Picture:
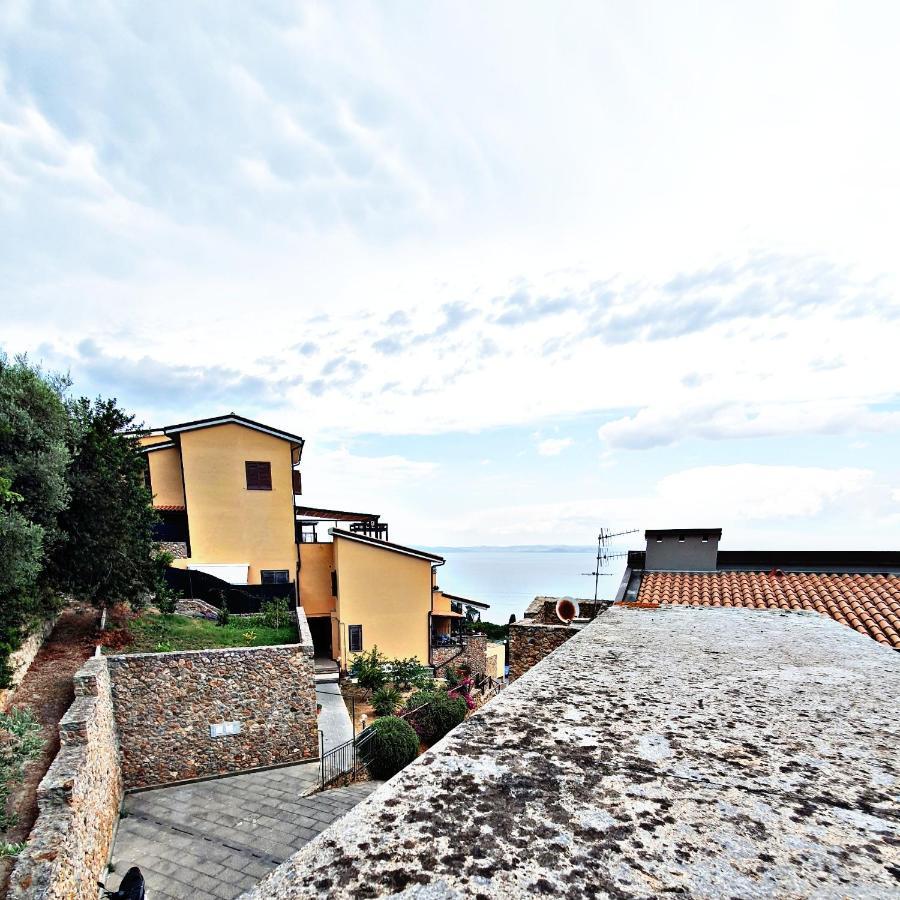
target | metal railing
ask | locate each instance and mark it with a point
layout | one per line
(346, 760)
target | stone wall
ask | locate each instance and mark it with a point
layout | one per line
(542, 610)
(472, 652)
(530, 643)
(178, 549)
(20, 660)
(165, 704)
(78, 800)
(197, 609)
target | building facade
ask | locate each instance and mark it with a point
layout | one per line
(227, 492)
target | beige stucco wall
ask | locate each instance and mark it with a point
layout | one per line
(496, 656)
(228, 523)
(316, 563)
(148, 440)
(386, 592)
(441, 603)
(165, 477)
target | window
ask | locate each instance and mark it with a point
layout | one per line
(334, 584)
(274, 576)
(354, 636)
(259, 476)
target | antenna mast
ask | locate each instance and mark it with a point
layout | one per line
(603, 554)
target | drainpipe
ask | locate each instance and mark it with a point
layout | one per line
(431, 611)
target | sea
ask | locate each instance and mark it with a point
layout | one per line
(510, 578)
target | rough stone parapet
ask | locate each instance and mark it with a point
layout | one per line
(698, 753)
(78, 800)
(165, 704)
(542, 610)
(472, 653)
(530, 642)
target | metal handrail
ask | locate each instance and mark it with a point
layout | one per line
(345, 759)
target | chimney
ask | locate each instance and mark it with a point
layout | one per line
(682, 549)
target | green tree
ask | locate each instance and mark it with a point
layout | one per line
(107, 552)
(33, 492)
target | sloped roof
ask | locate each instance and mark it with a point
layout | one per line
(385, 545)
(869, 603)
(233, 419)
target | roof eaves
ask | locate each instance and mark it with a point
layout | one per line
(385, 545)
(233, 419)
(476, 603)
(162, 445)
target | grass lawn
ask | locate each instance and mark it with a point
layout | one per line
(154, 633)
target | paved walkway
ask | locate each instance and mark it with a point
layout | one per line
(216, 839)
(334, 720)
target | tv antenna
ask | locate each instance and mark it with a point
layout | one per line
(604, 555)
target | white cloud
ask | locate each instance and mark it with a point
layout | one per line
(754, 503)
(753, 491)
(656, 426)
(553, 446)
(221, 191)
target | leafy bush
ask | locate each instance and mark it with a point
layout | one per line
(385, 701)
(275, 613)
(439, 714)
(165, 600)
(403, 672)
(464, 691)
(393, 745)
(424, 681)
(368, 669)
(451, 677)
(20, 742)
(224, 616)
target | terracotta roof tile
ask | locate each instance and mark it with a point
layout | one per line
(169, 508)
(868, 603)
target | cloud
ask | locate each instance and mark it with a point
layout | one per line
(147, 382)
(389, 346)
(659, 426)
(553, 446)
(455, 315)
(519, 308)
(751, 491)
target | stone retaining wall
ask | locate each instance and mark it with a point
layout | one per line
(197, 609)
(20, 660)
(165, 704)
(178, 549)
(472, 652)
(530, 643)
(78, 800)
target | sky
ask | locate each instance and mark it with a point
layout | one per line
(516, 271)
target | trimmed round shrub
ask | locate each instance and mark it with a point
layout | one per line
(441, 714)
(393, 746)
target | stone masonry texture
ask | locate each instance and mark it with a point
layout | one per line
(165, 703)
(20, 660)
(700, 753)
(529, 644)
(473, 653)
(78, 800)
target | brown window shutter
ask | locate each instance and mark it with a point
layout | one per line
(298, 484)
(259, 476)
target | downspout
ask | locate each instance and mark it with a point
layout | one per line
(431, 611)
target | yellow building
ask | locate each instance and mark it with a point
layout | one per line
(226, 490)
